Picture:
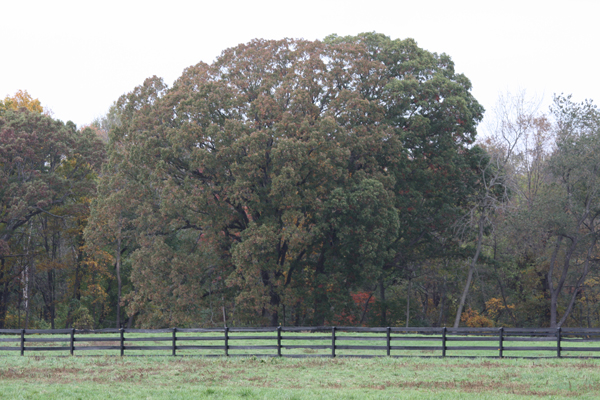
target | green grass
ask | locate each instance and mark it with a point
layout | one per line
(274, 378)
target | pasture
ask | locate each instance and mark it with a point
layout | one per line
(306, 370)
(154, 377)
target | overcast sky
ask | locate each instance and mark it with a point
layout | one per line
(77, 57)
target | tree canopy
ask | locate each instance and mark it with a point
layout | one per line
(289, 172)
(21, 99)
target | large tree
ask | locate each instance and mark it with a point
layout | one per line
(288, 173)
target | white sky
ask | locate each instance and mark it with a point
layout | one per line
(77, 57)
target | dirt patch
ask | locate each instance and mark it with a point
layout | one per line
(585, 365)
(31, 373)
(482, 364)
(482, 386)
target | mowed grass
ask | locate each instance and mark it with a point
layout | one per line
(104, 377)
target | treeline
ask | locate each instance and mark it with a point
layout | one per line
(335, 182)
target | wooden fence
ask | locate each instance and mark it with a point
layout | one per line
(308, 342)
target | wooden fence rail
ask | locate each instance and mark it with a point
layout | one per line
(315, 341)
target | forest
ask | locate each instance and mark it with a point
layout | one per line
(295, 182)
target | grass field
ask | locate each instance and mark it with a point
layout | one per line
(280, 378)
(96, 373)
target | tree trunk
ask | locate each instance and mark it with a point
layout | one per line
(274, 318)
(4, 304)
(510, 313)
(463, 298)
(78, 272)
(408, 300)
(320, 295)
(383, 303)
(555, 292)
(579, 283)
(20, 301)
(550, 283)
(587, 309)
(442, 303)
(365, 308)
(118, 270)
(29, 274)
(130, 321)
(5, 293)
(51, 306)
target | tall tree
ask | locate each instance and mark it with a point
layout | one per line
(289, 173)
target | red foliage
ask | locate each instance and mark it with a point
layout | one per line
(352, 318)
(360, 298)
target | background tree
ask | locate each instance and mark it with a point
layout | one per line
(46, 174)
(543, 240)
(512, 143)
(21, 99)
(576, 197)
(106, 122)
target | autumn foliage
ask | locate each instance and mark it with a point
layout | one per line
(21, 99)
(296, 182)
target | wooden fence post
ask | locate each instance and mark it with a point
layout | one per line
(279, 341)
(22, 341)
(174, 340)
(121, 332)
(333, 341)
(558, 338)
(226, 342)
(517, 335)
(501, 343)
(444, 342)
(72, 347)
(389, 339)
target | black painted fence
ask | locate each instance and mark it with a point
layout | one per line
(301, 342)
